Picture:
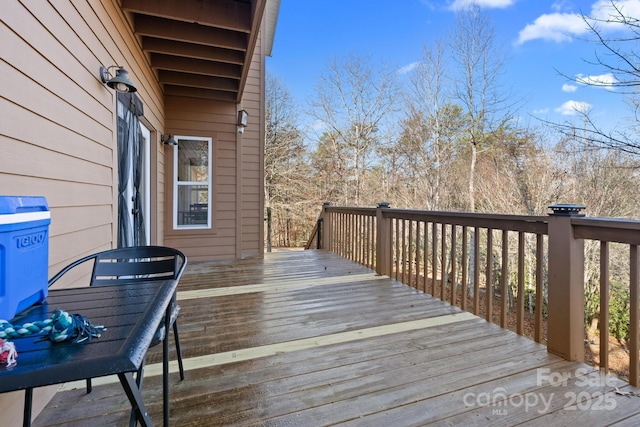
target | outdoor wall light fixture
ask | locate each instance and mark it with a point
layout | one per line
(242, 120)
(120, 82)
(170, 140)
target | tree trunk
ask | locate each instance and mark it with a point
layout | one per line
(472, 176)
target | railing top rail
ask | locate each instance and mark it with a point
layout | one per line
(526, 223)
(604, 229)
(607, 229)
(353, 210)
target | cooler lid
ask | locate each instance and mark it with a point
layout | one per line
(23, 208)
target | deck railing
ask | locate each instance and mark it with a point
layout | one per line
(525, 273)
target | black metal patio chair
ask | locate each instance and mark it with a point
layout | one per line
(131, 265)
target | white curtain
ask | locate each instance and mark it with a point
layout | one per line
(131, 230)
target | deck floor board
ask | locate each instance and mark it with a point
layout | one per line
(307, 338)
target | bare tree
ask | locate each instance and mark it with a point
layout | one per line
(353, 97)
(518, 175)
(284, 167)
(620, 56)
(620, 60)
(329, 163)
(478, 86)
(429, 130)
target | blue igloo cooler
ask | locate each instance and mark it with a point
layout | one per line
(24, 253)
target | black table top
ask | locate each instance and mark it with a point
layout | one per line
(131, 314)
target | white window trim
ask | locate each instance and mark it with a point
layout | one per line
(177, 183)
(146, 134)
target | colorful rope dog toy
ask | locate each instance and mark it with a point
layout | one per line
(62, 326)
(8, 353)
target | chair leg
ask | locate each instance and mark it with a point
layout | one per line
(89, 387)
(175, 334)
(133, 421)
(28, 403)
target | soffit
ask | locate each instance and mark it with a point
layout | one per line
(199, 48)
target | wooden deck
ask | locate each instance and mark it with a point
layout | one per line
(308, 338)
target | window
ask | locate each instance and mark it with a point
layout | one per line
(192, 183)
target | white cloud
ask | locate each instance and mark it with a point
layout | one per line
(606, 81)
(462, 4)
(561, 5)
(561, 27)
(541, 111)
(408, 68)
(603, 10)
(557, 27)
(569, 88)
(571, 108)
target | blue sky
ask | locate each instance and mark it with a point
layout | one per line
(540, 37)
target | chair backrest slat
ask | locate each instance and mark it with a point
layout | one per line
(136, 264)
(134, 267)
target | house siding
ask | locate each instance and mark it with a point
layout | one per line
(211, 119)
(252, 184)
(237, 179)
(57, 127)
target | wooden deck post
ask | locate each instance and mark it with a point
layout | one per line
(325, 234)
(383, 241)
(565, 322)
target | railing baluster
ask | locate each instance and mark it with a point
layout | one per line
(354, 237)
(397, 257)
(404, 251)
(392, 259)
(335, 224)
(426, 256)
(521, 296)
(634, 317)
(453, 265)
(350, 231)
(349, 236)
(489, 276)
(363, 239)
(369, 245)
(370, 241)
(476, 271)
(504, 282)
(418, 259)
(443, 261)
(355, 244)
(465, 266)
(345, 233)
(374, 239)
(410, 254)
(359, 239)
(539, 291)
(603, 320)
(336, 232)
(365, 246)
(338, 249)
(434, 257)
(345, 236)
(340, 234)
